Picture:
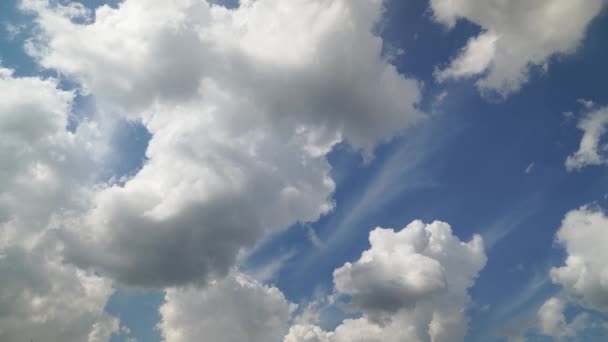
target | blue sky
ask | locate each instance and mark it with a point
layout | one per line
(486, 164)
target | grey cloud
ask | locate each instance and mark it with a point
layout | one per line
(241, 114)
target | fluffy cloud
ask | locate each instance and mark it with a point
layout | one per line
(235, 309)
(591, 150)
(42, 165)
(242, 115)
(411, 285)
(515, 36)
(43, 168)
(41, 299)
(584, 235)
(552, 320)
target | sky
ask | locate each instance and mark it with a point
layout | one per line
(303, 171)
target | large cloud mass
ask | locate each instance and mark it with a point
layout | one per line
(243, 105)
(515, 35)
(411, 285)
(43, 167)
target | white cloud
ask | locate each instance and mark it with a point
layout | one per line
(235, 309)
(45, 300)
(515, 36)
(592, 151)
(530, 168)
(307, 333)
(43, 168)
(410, 285)
(584, 235)
(474, 59)
(42, 165)
(552, 320)
(241, 113)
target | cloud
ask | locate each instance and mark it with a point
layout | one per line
(530, 168)
(410, 285)
(236, 308)
(592, 151)
(584, 235)
(474, 59)
(42, 299)
(241, 114)
(43, 169)
(307, 333)
(515, 36)
(43, 166)
(552, 320)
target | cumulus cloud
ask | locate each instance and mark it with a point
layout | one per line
(592, 151)
(584, 235)
(42, 165)
(552, 320)
(43, 169)
(515, 36)
(410, 285)
(235, 309)
(241, 113)
(42, 299)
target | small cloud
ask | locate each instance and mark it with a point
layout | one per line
(441, 97)
(13, 30)
(588, 104)
(270, 271)
(437, 104)
(530, 168)
(568, 116)
(313, 237)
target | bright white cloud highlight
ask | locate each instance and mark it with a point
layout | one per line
(516, 35)
(592, 150)
(584, 235)
(235, 309)
(410, 285)
(243, 106)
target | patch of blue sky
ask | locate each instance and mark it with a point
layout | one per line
(137, 310)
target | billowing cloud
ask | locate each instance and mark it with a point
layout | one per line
(515, 36)
(410, 285)
(42, 299)
(43, 167)
(243, 105)
(552, 320)
(584, 235)
(235, 309)
(591, 150)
